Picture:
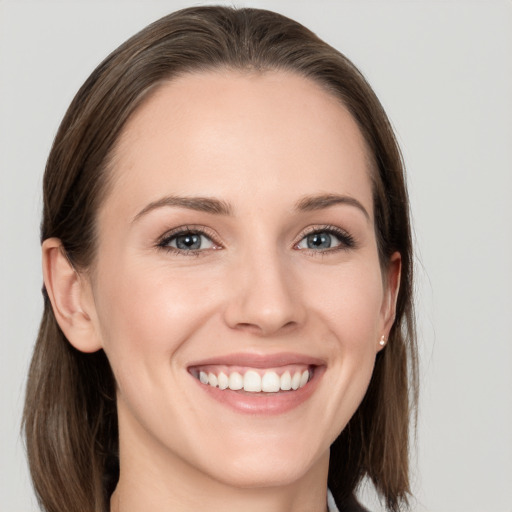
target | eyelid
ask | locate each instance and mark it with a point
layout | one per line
(347, 241)
(196, 229)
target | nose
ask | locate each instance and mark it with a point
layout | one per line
(265, 298)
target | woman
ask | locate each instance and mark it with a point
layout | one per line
(227, 261)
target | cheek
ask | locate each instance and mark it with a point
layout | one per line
(350, 316)
(146, 319)
(148, 313)
(350, 300)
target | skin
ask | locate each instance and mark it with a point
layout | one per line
(260, 142)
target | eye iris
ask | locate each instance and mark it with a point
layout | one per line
(188, 241)
(319, 241)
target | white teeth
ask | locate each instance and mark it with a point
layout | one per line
(271, 383)
(286, 381)
(252, 381)
(212, 379)
(223, 380)
(236, 381)
(296, 380)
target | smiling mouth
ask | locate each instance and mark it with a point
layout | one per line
(254, 380)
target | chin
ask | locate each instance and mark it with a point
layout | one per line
(263, 473)
(270, 464)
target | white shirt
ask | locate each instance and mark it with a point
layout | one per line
(331, 505)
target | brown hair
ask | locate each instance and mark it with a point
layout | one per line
(70, 417)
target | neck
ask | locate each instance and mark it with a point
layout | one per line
(153, 479)
(138, 497)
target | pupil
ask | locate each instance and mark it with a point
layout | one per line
(190, 241)
(319, 241)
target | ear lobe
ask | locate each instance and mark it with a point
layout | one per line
(67, 291)
(392, 287)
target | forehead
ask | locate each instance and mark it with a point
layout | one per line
(224, 131)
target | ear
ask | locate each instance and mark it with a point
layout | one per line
(391, 288)
(71, 297)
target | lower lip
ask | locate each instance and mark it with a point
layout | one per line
(263, 403)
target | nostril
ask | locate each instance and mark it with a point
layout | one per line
(288, 326)
(263, 329)
(248, 327)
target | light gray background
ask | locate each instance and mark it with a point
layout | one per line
(443, 70)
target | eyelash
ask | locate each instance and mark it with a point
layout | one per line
(166, 239)
(346, 240)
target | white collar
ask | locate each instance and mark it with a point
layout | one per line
(331, 504)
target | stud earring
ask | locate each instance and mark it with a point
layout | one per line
(382, 341)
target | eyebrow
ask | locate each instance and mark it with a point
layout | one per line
(319, 202)
(219, 207)
(200, 204)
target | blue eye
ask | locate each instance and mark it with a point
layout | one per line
(322, 240)
(188, 241)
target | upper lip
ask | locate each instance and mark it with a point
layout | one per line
(260, 360)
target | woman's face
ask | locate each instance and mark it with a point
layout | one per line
(237, 248)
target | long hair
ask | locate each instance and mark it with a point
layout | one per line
(70, 417)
